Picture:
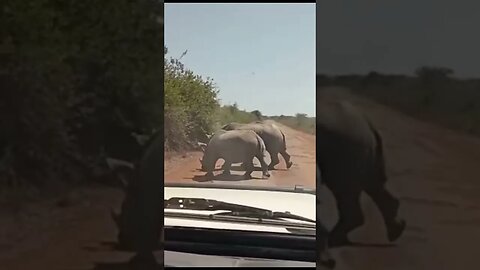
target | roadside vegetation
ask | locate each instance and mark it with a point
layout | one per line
(300, 122)
(432, 94)
(76, 78)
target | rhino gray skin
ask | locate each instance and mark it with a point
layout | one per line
(234, 146)
(324, 257)
(140, 220)
(350, 158)
(272, 136)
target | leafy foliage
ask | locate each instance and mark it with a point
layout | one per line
(231, 113)
(73, 74)
(190, 104)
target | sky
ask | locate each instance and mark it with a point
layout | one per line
(398, 36)
(261, 56)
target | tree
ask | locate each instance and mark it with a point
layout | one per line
(71, 73)
(191, 104)
(257, 114)
(430, 74)
(432, 78)
(301, 117)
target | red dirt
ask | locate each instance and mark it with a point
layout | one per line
(434, 171)
(77, 236)
(300, 146)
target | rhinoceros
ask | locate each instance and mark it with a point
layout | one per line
(351, 160)
(234, 146)
(273, 137)
(139, 222)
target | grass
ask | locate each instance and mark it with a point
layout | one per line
(302, 123)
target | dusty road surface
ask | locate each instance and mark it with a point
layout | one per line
(435, 173)
(300, 146)
(79, 234)
(72, 232)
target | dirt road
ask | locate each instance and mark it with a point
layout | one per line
(435, 173)
(300, 146)
(59, 235)
(79, 235)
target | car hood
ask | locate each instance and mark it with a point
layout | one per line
(181, 259)
(302, 204)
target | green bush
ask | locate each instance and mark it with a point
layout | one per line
(231, 113)
(190, 105)
(73, 73)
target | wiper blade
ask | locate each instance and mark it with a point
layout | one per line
(271, 215)
(211, 205)
(234, 209)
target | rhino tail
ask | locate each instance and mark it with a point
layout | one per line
(284, 142)
(379, 156)
(261, 145)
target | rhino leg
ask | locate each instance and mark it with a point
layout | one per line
(264, 165)
(350, 213)
(274, 160)
(226, 164)
(144, 260)
(209, 175)
(388, 206)
(286, 156)
(323, 256)
(249, 169)
(226, 167)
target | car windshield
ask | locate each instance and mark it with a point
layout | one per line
(240, 114)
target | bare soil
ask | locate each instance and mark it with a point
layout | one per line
(433, 170)
(300, 146)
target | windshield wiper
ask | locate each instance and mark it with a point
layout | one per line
(233, 209)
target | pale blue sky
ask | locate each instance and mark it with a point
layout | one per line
(261, 56)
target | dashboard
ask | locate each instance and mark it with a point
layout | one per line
(197, 238)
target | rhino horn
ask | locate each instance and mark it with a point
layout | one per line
(141, 139)
(114, 164)
(202, 146)
(122, 169)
